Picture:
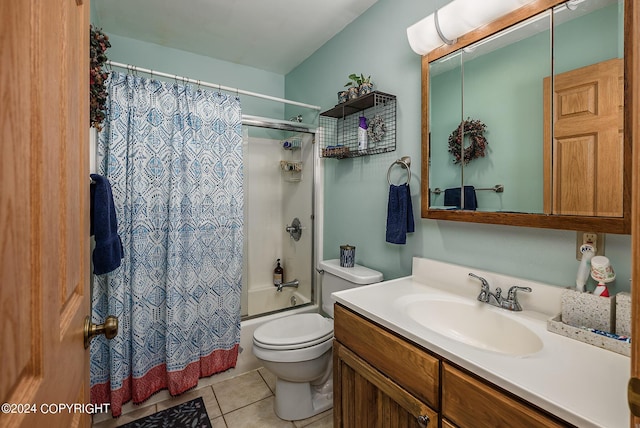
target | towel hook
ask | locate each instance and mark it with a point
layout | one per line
(404, 162)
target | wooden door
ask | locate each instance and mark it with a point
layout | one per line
(632, 124)
(363, 397)
(44, 233)
(586, 159)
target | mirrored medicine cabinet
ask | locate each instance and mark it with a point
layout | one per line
(545, 86)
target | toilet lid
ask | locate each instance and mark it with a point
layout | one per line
(294, 331)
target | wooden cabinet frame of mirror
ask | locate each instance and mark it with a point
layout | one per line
(620, 225)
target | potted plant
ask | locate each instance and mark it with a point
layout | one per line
(353, 86)
(365, 87)
(358, 86)
(343, 96)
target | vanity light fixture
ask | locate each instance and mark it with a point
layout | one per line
(573, 4)
(459, 17)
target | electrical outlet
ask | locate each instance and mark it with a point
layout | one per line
(592, 238)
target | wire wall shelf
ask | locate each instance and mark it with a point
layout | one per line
(341, 123)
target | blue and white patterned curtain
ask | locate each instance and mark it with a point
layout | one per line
(173, 155)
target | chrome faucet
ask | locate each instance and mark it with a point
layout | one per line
(295, 283)
(512, 298)
(486, 295)
(495, 299)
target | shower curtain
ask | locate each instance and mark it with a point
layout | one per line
(173, 155)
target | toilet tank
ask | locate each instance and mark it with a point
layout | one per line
(338, 278)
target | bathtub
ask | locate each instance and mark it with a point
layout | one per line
(267, 299)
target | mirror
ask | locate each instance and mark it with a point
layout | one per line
(583, 161)
(543, 165)
(501, 101)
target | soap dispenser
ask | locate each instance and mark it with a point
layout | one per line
(278, 274)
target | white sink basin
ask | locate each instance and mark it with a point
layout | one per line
(476, 324)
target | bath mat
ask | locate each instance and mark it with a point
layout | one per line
(191, 414)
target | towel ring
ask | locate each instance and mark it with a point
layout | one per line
(404, 162)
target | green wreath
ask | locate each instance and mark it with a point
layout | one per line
(474, 130)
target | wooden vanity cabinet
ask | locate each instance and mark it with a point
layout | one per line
(447, 424)
(365, 397)
(470, 402)
(382, 380)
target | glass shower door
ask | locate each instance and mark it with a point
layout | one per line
(278, 180)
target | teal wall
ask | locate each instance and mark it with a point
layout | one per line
(174, 61)
(356, 190)
(199, 67)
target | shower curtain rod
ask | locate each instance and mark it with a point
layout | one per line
(210, 85)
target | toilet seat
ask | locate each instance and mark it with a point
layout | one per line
(295, 355)
(324, 338)
(294, 332)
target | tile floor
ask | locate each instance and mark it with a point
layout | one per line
(244, 401)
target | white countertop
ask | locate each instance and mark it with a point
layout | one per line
(580, 383)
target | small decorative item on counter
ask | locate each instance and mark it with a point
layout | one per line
(623, 314)
(601, 290)
(278, 274)
(600, 338)
(343, 96)
(590, 319)
(586, 310)
(602, 271)
(347, 255)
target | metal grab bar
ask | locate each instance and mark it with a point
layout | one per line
(498, 188)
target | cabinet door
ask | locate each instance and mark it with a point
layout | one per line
(363, 397)
(447, 424)
(418, 372)
(470, 403)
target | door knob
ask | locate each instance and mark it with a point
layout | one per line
(423, 421)
(109, 329)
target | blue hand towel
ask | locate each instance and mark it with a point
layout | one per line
(452, 198)
(108, 252)
(399, 214)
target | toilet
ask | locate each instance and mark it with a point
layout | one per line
(297, 348)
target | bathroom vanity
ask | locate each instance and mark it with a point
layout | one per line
(395, 366)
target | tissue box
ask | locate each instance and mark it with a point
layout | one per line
(623, 314)
(586, 310)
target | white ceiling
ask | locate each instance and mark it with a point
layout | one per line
(272, 35)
